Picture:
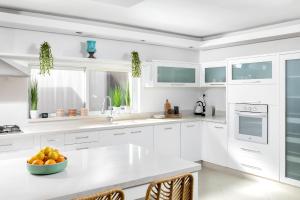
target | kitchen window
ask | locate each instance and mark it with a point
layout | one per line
(78, 87)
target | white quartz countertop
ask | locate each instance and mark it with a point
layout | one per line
(96, 124)
(90, 171)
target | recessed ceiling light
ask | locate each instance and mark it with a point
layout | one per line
(122, 3)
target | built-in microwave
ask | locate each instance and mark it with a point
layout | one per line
(251, 122)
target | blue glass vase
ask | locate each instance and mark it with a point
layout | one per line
(91, 48)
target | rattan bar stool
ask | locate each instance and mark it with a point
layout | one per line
(173, 188)
(106, 195)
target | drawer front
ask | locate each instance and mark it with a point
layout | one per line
(14, 144)
(251, 150)
(78, 138)
(142, 136)
(255, 166)
(114, 137)
(57, 140)
(81, 146)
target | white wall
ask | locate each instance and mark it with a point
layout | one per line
(290, 44)
(13, 107)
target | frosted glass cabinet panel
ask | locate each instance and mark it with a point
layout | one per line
(259, 70)
(290, 118)
(176, 75)
(213, 74)
(173, 74)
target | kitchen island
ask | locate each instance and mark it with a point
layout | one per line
(129, 167)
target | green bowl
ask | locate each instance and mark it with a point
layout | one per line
(47, 169)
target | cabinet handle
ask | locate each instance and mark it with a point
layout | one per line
(252, 167)
(116, 134)
(190, 126)
(82, 148)
(177, 84)
(252, 82)
(6, 145)
(135, 132)
(83, 137)
(51, 140)
(216, 84)
(219, 127)
(250, 150)
(168, 128)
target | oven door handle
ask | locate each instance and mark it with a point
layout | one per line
(251, 114)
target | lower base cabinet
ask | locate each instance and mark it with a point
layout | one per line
(142, 136)
(214, 143)
(190, 138)
(167, 139)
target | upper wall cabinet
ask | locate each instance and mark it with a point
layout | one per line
(213, 74)
(253, 70)
(172, 74)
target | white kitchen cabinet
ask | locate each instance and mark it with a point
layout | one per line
(290, 118)
(16, 144)
(213, 74)
(172, 74)
(53, 140)
(253, 70)
(82, 137)
(167, 139)
(142, 136)
(190, 135)
(214, 143)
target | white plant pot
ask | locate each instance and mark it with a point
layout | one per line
(34, 114)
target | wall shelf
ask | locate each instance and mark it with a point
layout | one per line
(24, 62)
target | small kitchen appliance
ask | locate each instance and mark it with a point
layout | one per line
(251, 122)
(200, 107)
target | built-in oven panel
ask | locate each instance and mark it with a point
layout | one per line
(251, 125)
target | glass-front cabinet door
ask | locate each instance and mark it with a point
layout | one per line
(213, 74)
(251, 70)
(290, 117)
(176, 74)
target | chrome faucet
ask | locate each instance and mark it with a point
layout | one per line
(109, 107)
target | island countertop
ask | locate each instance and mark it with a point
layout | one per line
(90, 171)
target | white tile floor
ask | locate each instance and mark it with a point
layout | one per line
(217, 184)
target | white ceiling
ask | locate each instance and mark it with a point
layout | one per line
(188, 17)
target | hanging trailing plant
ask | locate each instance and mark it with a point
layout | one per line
(46, 59)
(136, 64)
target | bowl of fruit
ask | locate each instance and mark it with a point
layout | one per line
(47, 161)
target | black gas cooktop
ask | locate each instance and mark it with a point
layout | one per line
(9, 129)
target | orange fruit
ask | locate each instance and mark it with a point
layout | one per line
(30, 161)
(60, 159)
(40, 156)
(50, 162)
(38, 162)
(53, 155)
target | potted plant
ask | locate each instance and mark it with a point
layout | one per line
(33, 93)
(46, 59)
(116, 96)
(135, 64)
